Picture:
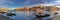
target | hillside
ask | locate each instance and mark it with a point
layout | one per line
(34, 8)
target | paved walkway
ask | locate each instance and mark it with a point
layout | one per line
(57, 16)
(4, 18)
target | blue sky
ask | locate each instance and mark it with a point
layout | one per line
(22, 3)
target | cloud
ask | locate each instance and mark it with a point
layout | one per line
(56, 2)
(3, 6)
(33, 2)
(24, 2)
(5, 2)
(27, 2)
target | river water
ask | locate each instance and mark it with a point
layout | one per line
(25, 15)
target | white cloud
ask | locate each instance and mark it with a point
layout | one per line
(6, 1)
(10, 2)
(3, 6)
(2, 2)
(57, 2)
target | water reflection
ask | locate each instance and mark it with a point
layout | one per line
(11, 14)
(25, 15)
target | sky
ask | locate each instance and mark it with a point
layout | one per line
(23, 3)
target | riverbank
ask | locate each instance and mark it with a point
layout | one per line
(4, 18)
